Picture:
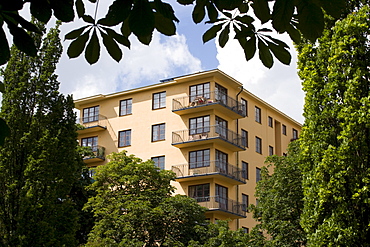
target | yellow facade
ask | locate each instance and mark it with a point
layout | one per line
(197, 131)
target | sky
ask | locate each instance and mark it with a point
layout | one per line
(182, 54)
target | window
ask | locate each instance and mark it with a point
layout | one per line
(245, 168)
(158, 132)
(199, 192)
(245, 202)
(222, 196)
(258, 145)
(245, 138)
(271, 150)
(221, 94)
(91, 171)
(200, 90)
(199, 158)
(257, 112)
(245, 229)
(125, 107)
(258, 174)
(221, 162)
(295, 134)
(244, 104)
(159, 162)
(90, 142)
(90, 114)
(199, 125)
(270, 121)
(124, 138)
(284, 129)
(159, 100)
(221, 127)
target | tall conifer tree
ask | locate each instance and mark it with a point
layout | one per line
(38, 161)
(336, 134)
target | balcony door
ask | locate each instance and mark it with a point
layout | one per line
(221, 196)
(221, 162)
(221, 94)
(199, 91)
(221, 127)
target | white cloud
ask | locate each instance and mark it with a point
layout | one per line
(142, 65)
(278, 86)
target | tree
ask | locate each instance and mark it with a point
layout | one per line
(280, 200)
(336, 135)
(38, 161)
(219, 235)
(133, 206)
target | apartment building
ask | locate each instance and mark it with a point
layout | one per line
(208, 129)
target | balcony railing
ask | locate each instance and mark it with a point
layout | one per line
(208, 99)
(223, 204)
(92, 121)
(209, 168)
(206, 133)
(97, 152)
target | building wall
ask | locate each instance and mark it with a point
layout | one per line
(143, 117)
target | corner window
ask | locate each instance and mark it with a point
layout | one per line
(158, 132)
(199, 192)
(91, 142)
(90, 114)
(271, 150)
(245, 169)
(125, 107)
(124, 138)
(159, 162)
(245, 202)
(199, 158)
(199, 90)
(270, 120)
(199, 125)
(284, 129)
(295, 134)
(257, 114)
(258, 145)
(258, 174)
(159, 100)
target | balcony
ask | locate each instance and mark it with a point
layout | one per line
(209, 101)
(96, 155)
(92, 124)
(225, 206)
(206, 135)
(211, 169)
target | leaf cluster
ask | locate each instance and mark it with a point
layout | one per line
(335, 139)
(280, 200)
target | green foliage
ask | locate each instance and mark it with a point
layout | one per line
(133, 206)
(38, 161)
(280, 201)
(336, 136)
(142, 17)
(219, 235)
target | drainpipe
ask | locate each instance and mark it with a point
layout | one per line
(237, 153)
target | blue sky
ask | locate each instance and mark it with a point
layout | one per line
(184, 53)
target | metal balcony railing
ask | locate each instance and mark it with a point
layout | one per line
(208, 168)
(97, 152)
(208, 132)
(207, 99)
(91, 121)
(223, 204)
